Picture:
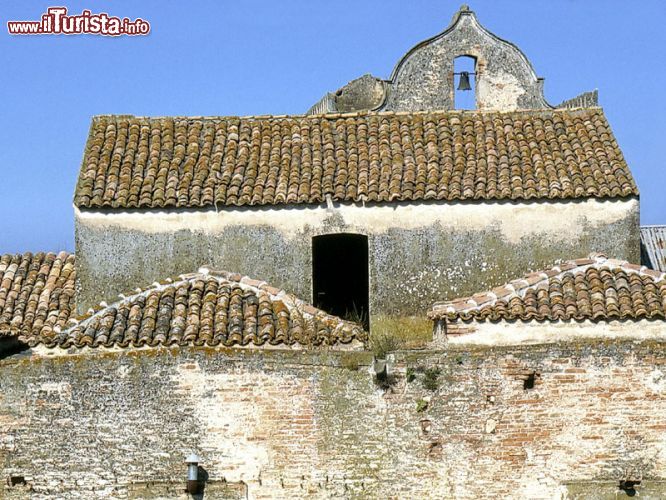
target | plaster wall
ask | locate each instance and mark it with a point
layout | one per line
(269, 424)
(419, 253)
(505, 333)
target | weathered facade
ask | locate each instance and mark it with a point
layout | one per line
(453, 248)
(500, 192)
(457, 423)
(551, 386)
(505, 189)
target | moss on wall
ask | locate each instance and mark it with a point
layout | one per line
(410, 267)
(103, 424)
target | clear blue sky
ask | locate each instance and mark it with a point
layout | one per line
(277, 57)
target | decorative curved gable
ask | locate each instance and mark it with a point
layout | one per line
(505, 80)
(424, 80)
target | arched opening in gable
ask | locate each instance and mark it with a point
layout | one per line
(464, 82)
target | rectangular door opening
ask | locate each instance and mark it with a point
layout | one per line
(340, 276)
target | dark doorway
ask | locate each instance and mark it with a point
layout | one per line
(340, 275)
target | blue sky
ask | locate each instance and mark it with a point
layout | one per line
(269, 57)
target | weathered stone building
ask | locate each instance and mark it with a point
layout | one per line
(383, 200)
(502, 190)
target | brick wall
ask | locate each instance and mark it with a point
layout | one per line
(532, 422)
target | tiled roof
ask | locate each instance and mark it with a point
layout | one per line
(36, 293)
(205, 308)
(653, 247)
(596, 289)
(133, 162)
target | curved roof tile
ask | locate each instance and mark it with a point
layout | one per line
(172, 162)
(596, 289)
(36, 292)
(206, 308)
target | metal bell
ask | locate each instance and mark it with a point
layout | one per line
(463, 83)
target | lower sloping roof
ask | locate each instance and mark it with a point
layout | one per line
(36, 293)
(596, 289)
(205, 308)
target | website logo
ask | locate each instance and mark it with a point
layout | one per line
(56, 21)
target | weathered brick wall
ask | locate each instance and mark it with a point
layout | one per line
(453, 424)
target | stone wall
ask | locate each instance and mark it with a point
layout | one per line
(424, 79)
(457, 423)
(419, 253)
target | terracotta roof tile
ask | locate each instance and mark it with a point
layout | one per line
(597, 289)
(133, 162)
(502, 291)
(36, 292)
(211, 308)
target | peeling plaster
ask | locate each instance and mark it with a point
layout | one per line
(229, 425)
(559, 220)
(419, 253)
(293, 425)
(534, 332)
(500, 91)
(423, 78)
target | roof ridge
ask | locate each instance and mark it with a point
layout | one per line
(30, 254)
(290, 301)
(351, 114)
(520, 286)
